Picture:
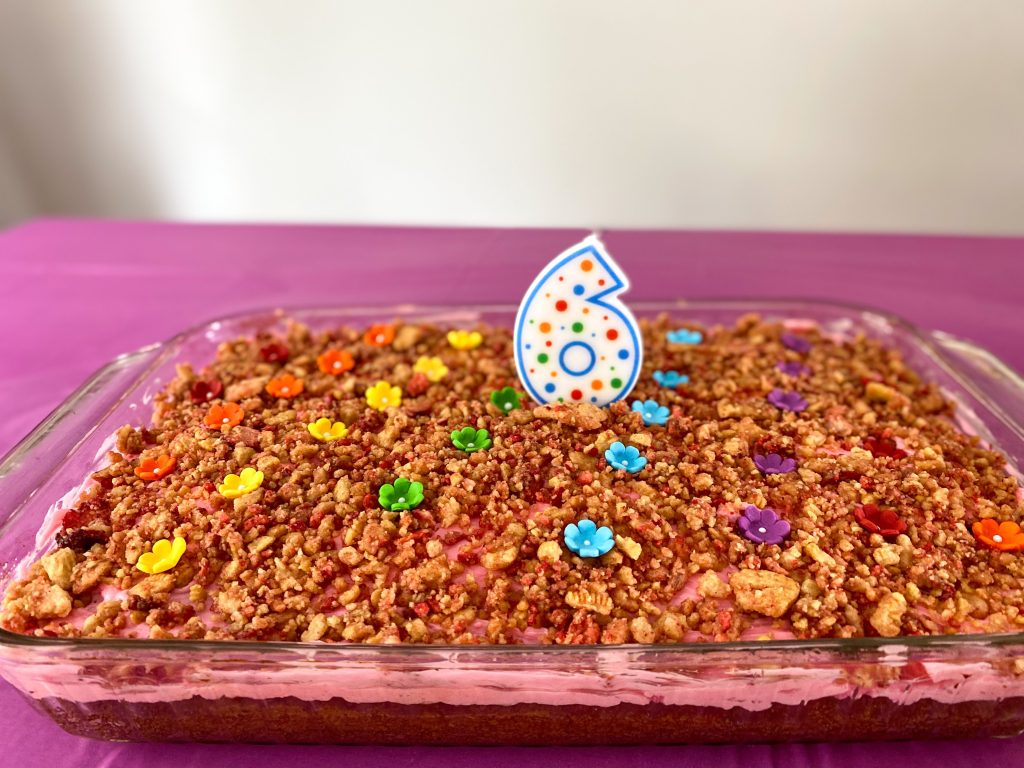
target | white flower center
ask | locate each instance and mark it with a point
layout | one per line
(997, 538)
(225, 420)
(401, 499)
(762, 530)
(384, 399)
(337, 364)
(380, 338)
(284, 390)
(586, 542)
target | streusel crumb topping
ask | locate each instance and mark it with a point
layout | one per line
(312, 555)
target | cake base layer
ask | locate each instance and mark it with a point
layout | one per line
(291, 720)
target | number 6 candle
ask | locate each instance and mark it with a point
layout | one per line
(574, 340)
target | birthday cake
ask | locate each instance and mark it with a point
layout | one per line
(395, 484)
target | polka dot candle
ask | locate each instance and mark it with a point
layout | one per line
(574, 340)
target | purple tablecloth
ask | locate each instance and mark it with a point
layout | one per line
(73, 294)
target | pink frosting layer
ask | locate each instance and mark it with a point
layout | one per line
(611, 684)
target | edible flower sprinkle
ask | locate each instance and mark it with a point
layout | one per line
(404, 494)
(787, 401)
(286, 386)
(763, 526)
(335, 362)
(877, 520)
(465, 339)
(238, 485)
(325, 430)
(379, 335)
(203, 391)
(274, 353)
(670, 379)
(587, 540)
(470, 439)
(164, 556)
(506, 399)
(154, 469)
(1005, 536)
(684, 336)
(226, 415)
(383, 395)
(624, 457)
(652, 412)
(773, 464)
(432, 368)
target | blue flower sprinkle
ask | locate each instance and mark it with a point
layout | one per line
(628, 458)
(651, 411)
(670, 379)
(587, 540)
(684, 336)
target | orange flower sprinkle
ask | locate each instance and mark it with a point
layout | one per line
(285, 386)
(154, 469)
(1005, 536)
(335, 362)
(379, 335)
(226, 415)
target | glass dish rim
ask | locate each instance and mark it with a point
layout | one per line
(925, 341)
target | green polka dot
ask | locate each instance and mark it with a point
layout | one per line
(542, 357)
(616, 383)
(577, 327)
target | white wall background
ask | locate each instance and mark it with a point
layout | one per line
(899, 115)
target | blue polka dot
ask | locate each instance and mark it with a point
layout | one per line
(527, 346)
(623, 354)
(593, 399)
(549, 387)
(578, 290)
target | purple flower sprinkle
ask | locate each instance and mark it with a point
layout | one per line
(763, 526)
(796, 343)
(773, 464)
(787, 401)
(793, 369)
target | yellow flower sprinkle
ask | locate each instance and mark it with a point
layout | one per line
(383, 396)
(325, 430)
(431, 367)
(165, 555)
(239, 485)
(465, 339)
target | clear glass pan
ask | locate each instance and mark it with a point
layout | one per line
(309, 692)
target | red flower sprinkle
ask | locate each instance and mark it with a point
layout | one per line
(274, 353)
(884, 446)
(883, 521)
(204, 391)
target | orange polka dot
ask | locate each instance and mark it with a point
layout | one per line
(554, 373)
(586, 265)
(597, 384)
(545, 327)
(600, 282)
(586, 311)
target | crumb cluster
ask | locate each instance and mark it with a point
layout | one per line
(311, 555)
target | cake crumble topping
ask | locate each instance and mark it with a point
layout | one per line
(860, 458)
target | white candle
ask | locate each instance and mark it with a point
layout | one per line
(575, 342)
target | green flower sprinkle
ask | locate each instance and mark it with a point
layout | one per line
(506, 399)
(469, 439)
(404, 494)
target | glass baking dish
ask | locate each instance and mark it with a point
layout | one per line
(866, 688)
